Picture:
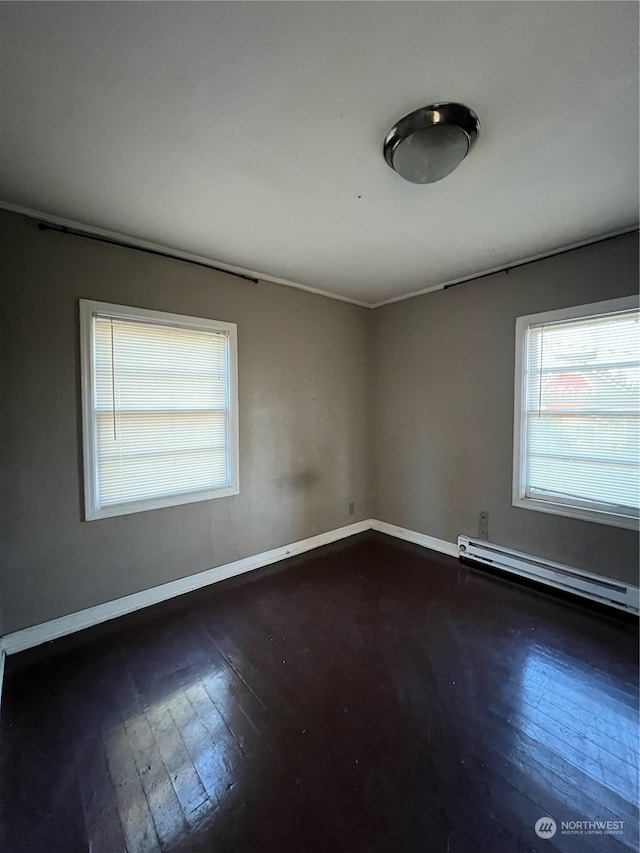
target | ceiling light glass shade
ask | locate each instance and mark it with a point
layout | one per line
(428, 144)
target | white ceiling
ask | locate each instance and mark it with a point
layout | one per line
(251, 133)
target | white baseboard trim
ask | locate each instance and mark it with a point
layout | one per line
(431, 542)
(28, 638)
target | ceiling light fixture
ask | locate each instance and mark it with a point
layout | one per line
(428, 144)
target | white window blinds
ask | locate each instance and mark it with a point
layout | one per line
(161, 413)
(581, 413)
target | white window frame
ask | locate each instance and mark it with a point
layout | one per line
(88, 310)
(519, 498)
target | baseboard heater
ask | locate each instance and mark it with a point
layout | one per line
(586, 584)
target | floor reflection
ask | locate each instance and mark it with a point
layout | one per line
(573, 713)
(175, 755)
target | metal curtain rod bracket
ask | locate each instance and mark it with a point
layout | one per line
(74, 232)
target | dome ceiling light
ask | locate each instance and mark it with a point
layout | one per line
(428, 144)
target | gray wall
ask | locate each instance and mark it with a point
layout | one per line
(443, 407)
(411, 404)
(303, 385)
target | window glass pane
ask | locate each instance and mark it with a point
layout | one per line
(161, 410)
(581, 431)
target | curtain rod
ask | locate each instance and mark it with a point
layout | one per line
(75, 232)
(514, 266)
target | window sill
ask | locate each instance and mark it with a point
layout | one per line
(94, 514)
(582, 514)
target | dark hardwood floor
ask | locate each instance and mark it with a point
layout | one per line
(369, 697)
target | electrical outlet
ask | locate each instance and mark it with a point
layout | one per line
(483, 525)
(352, 508)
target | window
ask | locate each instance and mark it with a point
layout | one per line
(576, 425)
(160, 422)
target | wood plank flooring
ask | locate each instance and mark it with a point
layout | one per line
(368, 697)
